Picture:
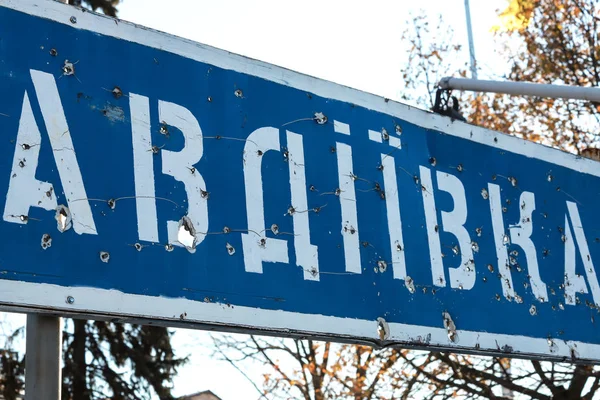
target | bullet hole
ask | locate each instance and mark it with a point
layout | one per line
(275, 229)
(398, 247)
(312, 188)
(332, 149)
(410, 284)
(549, 178)
(380, 167)
(183, 315)
(498, 298)
(432, 161)
(112, 203)
(505, 239)
(238, 93)
(68, 68)
(73, 20)
(512, 261)
(383, 329)
(485, 194)
(262, 242)
(259, 153)
(490, 267)
(338, 191)
(525, 285)
(63, 218)
(504, 209)
(138, 247)
(382, 265)
(186, 234)
(286, 156)
(478, 231)
(513, 181)
(314, 272)
(204, 194)
(552, 292)
(495, 140)
(291, 210)
(382, 195)
(117, 92)
(398, 129)
(169, 247)
(230, 249)
(384, 134)
(450, 327)
(456, 250)
(320, 118)
(104, 256)
(514, 253)
(563, 238)
(317, 210)
(46, 241)
(518, 299)
(22, 163)
(436, 228)
(533, 310)
(474, 247)
(155, 149)
(70, 300)
(552, 346)
(365, 244)
(53, 52)
(209, 99)
(226, 229)
(561, 306)
(459, 168)
(164, 130)
(25, 146)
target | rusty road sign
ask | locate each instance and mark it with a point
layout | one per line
(148, 177)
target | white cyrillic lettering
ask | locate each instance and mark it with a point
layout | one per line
(348, 204)
(393, 216)
(258, 248)
(181, 166)
(64, 152)
(24, 191)
(307, 255)
(143, 168)
(575, 283)
(431, 222)
(500, 241)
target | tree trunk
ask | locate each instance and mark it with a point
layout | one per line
(80, 367)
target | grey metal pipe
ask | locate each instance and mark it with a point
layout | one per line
(471, 43)
(522, 89)
(43, 371)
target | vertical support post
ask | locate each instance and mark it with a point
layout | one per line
(43, 357)
(471, 44)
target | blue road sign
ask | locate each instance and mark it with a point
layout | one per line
(148, 177)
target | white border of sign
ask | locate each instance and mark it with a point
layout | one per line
(95, 302)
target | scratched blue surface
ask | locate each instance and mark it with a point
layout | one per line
(104, 152)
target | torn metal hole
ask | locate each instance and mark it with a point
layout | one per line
(338, 191)
(384, 134)
(70, 300)
(164, 129)
(169, 247)
(505, 240)
(204, 194)
(46, 241)
(209, 99)
(410, 284)
(474, 247)
(478, 231)
(398, 129)
(22, 163)
(459, 168)
(450, 327)
(485, 194)
(320, 118)
(24, 218)
(68, 67)
(533, 310)
(432, 161)
(117, 92)
(112, 203)
(382, 265)
(104, 256)
(138, 247)
(73, 20)
(262, 242)
(53, 52)
(25, 146)
(155, 149)
(230, 249)
(238, 93)
(63, 218)
(291, 210)
(550, 178)
(513, 181)
(383, 329)
(226, 229)
(186, 234)
(275, 229)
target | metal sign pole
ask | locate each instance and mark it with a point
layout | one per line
(471, 44)
(44, 352)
